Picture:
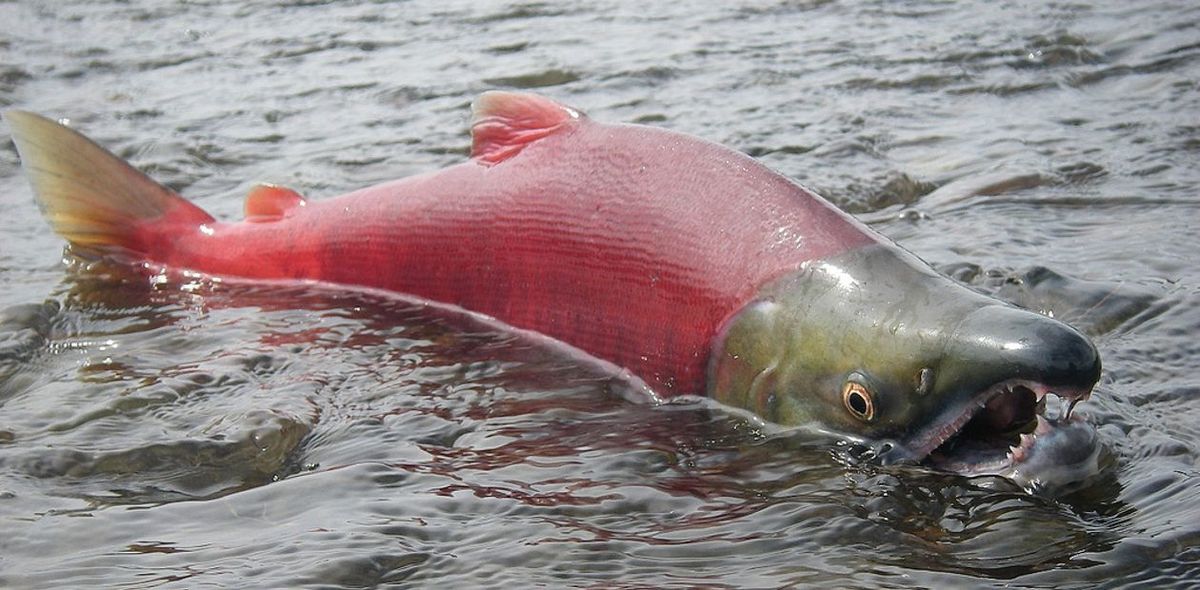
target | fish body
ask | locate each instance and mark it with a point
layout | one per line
(691, 265)
(602, 236)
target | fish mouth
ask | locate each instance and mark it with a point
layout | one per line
(1007, 430)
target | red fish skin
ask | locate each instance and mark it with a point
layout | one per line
(631, 243)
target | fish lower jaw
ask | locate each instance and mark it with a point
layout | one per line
(1004, 464)
(998, 430)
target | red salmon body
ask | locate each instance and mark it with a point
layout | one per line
(688, 264)
(629, 242)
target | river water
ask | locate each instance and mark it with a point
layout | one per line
(188, 434)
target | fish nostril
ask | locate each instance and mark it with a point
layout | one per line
(924, 381)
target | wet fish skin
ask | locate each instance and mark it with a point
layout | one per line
(632, 243)
(689, 264)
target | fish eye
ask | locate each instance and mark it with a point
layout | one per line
(858, 401)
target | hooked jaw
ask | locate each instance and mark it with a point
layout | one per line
(1036, 450)
(1006, 365)
(1000, 415)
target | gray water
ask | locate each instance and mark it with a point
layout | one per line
(191, 434)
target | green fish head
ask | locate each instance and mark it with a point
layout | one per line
(875, 346)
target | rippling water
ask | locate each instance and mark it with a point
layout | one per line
(191, 434)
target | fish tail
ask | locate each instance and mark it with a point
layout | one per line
(94, 199)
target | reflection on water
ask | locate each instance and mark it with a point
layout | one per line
(192, 433)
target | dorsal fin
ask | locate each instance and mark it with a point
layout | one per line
(269, 202)
(505, 122)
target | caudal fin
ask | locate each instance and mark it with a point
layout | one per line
(94, 199)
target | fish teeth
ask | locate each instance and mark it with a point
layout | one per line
(1070, 408)
(936, 435)
(1020, 451)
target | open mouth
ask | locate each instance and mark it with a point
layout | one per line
(1003, 428)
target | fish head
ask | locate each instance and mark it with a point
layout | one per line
(875, 346)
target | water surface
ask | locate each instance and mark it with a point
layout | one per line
(196, 434)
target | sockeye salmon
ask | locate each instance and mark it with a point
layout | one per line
(689, 264)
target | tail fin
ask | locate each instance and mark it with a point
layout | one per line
(91, 197)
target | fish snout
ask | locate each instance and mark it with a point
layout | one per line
(1007, 343)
